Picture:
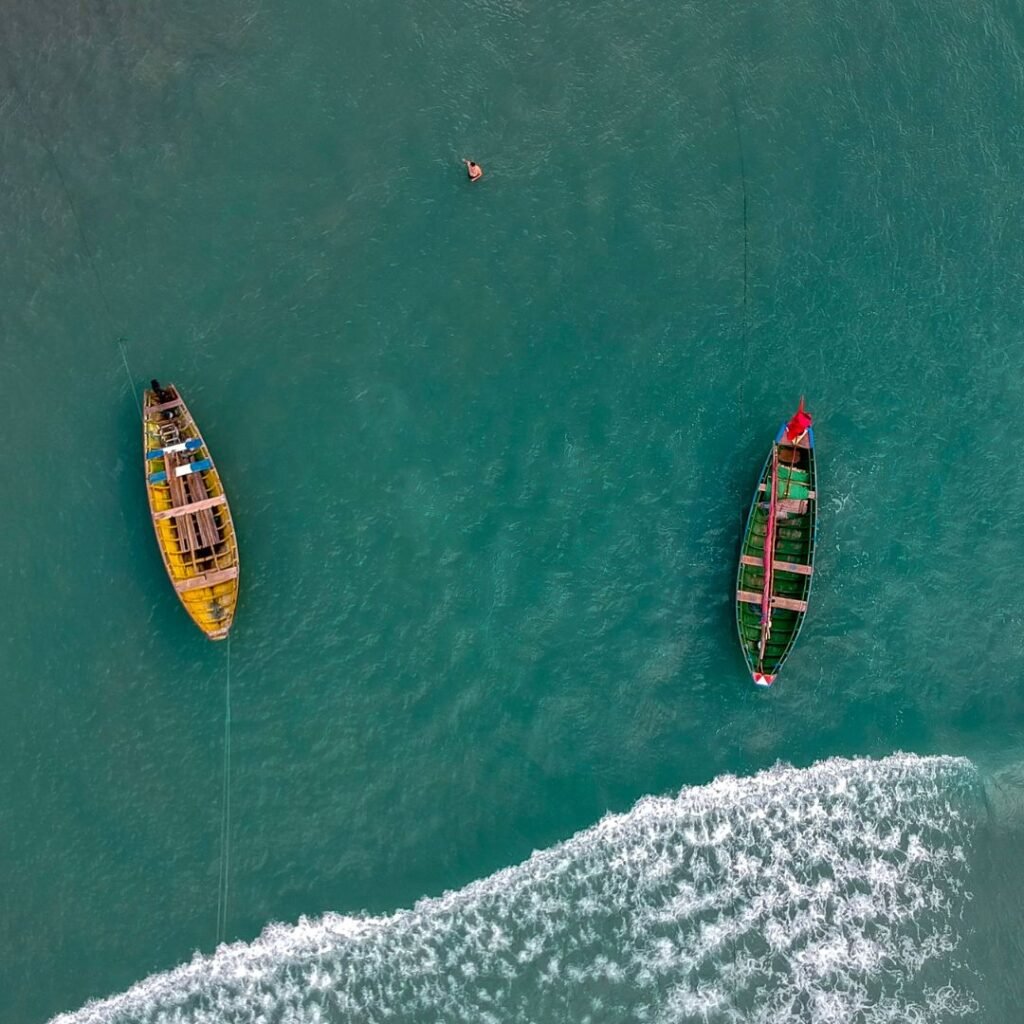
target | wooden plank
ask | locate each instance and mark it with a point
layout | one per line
(208, 579)
(153, 410)
(749, 597)
(186, 536)
(797, 567)
(804, 442)
(187, 539)
(174, 484)
(810, 494)
(805, 570)
(193, 506)
(195, 488)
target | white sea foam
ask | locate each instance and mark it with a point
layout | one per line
(825, 894)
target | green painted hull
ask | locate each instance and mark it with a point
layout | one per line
(793, 559)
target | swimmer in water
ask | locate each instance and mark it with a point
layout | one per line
(474, 170)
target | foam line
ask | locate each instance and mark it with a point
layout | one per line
(825, 894)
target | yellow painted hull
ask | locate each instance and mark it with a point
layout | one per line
(190, 513)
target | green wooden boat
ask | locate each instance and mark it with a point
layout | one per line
(771, 602)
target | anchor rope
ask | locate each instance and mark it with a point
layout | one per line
(223, 881)
(746, 236)
(225, 817)
(128, 372)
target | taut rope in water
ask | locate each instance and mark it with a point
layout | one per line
(225, 817)
(128, 372)
(743, 179)
(225, 826)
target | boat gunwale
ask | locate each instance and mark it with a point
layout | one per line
(812, 512)
(182, 410)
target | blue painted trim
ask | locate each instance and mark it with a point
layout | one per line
(782, 432)
(190, 446)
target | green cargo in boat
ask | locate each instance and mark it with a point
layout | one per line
(776, 566)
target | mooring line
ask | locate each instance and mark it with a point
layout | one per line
(743, 180)
(225, 818)
(223, 882)
(128, 372)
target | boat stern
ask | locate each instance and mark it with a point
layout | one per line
(760, 679)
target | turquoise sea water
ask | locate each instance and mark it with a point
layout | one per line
(489, 450)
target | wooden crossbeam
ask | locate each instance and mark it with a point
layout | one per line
(804, 442)
(805, 570)
(152, 410)
(798, 505)
(810, 494)
(194, 506)
(208, 579)
(749, 597)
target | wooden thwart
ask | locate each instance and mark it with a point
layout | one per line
(151, 410)
(193, 506)
(749, 597)
(797, 505)
(805, 570)
(209, 579)
(810, 494)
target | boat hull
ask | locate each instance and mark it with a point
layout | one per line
(792, 538)
(190, 513)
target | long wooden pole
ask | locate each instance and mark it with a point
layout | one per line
(769, 559)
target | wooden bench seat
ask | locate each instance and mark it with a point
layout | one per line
(153, 411)
(795, 505)
(194, 506)
(810, 494)
(804, 570)
(749, 597)
(208, 579)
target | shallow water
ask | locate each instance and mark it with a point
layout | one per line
(488, 449)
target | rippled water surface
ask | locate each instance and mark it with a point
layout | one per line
(488, 450)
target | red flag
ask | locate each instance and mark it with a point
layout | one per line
(798, 425)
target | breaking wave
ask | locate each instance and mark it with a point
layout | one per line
(832, 893)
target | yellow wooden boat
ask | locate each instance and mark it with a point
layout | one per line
(190, 512)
